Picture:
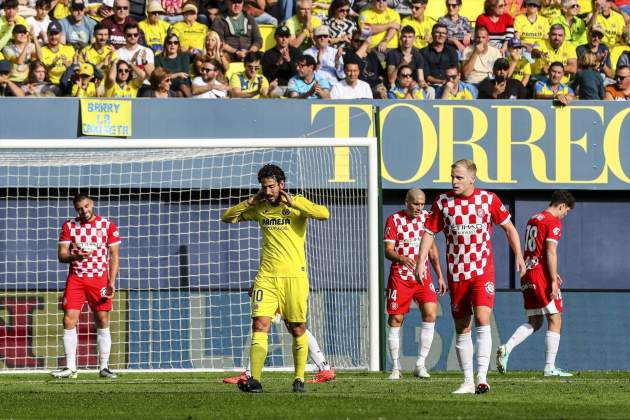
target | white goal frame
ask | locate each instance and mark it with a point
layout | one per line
(374, 315)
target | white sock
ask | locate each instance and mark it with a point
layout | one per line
(393, 339)
(426, 338)
(484, 348)
(248, 370)
(519, 336)
(552, 342)
(70, 341)
(316, 353)
(464, 349)
(104, 344)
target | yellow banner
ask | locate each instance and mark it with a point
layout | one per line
(105, 118)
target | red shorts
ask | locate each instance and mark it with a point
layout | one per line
(468, 294)
(536, 288)
(92, 289)
(400, 292)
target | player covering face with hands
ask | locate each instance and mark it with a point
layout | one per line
(89, 244)
(282, 281)
(403, 231)
(466, 215)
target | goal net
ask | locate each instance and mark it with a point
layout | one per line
(181, 299)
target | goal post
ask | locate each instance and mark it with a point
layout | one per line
(182, 299)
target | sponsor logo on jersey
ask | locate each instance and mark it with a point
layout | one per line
(481, 212)
(489, 288)
(531, 262)
(279, 221)
(89, 246)
(286, 212)
(527, 286)
(468, 229)
(394, 305)
(116, 234)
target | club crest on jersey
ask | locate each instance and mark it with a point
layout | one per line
(99, 233)
(481, 212)
(489, 288)
(104, 292)
(286, 212)
(556, 231)
(394, 306)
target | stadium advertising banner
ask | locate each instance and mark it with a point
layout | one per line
(516, 145)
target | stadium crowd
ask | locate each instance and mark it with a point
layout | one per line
(317, 49)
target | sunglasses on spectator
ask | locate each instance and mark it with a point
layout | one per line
(205, 69)
(452, 5)
(344, 10)
(121, 7)
(172, 43)
(621, 78)
(4, 73)
(406, 75)
(322, 36)
(253, 67)
(132, 34)
(123, 70)
(156, 13)
(531, 5)
(417, 7)
(574, 6)
(597, 35)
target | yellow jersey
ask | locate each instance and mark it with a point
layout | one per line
(88, 92)
(154, 35)
(246, 85)
(48, 57)
(531, 33)
(563, 54)
(283, 231)
(423, 29)
(369, 17)
(523, 68)
(130, 90)
(93, 56)
(19, 20)
(191, 36)
(613, 26)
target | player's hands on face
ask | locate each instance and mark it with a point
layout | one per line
(286, 197)
(257, 198)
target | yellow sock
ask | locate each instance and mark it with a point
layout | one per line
(258, 354)
(300, 354)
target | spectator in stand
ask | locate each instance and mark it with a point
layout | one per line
(611, 20)
(383, 24)
(177, 63)
(207, 86)
(438, 56)
(421, 23)
(83, 86)
(624, 59)
(574, 27)
(213, 48)
(280, 62)
(56, 56)
(100, 53)
(117, 22)
(321, 9)
(160, 81)
(588, 82)
(100, 11)
(478, 60)
(302, 25)
(39, 23)
(37, 85)
(352, 87)
(621, 49)
(329, 59)
(341, 27)
(514, 7)
(120, 84)
(191, 34)
(406, 54)
(153, 27)
(140, 55)
(601, 51)
(520, 68)
(250, 84)
(212, 12)
(19, 53)
(454, 88)
(460, 32)
(620, 90)
(257, 10)
(553, 88)
(531, 27)
(238, 31)
(11, 17)
(7, 87)
(307, 84)
(500, 85)
(173, 9)
(556, 48)
(370, 67)
(405, 87)
(551, 9)
(499, 24)
(77, 29)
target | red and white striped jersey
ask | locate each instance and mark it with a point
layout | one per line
(405, 232)
(467, 226)
(95, 236)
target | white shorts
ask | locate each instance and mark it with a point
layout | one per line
(550, 309)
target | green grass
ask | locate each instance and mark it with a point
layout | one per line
(521, 395)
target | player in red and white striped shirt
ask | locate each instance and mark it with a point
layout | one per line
(466, 215)
(541, 283)
(403, 231)
(89, 243)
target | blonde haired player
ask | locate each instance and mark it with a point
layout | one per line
(466, 215)
(282, 279)
(403, 231)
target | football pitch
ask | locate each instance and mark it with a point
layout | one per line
(519, 395)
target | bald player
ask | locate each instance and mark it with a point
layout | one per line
(403, 231)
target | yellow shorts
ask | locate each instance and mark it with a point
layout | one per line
(289, 295)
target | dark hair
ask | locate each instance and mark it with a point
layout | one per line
(99, 26)
(130, 25)
(10, 4)
(80, 197)
(351, 59)
(624, 66)
(336, 5)
(556, 64)
(42, 3)
(437, 26)
(271, 171)
(34, 66)
(168, 37)
(404, 66)
(562, 197)
(407, 29)
(158, 75)
(212, 4)
(252, 56)
(309, 60)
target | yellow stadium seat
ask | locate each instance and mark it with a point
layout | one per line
(471, 9)
(268, 40)
(235, 67)
(436, 9)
